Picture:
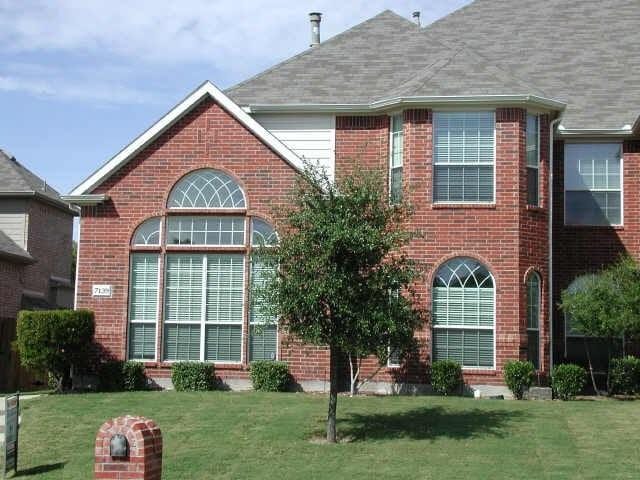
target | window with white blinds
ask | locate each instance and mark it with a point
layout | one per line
(593, 183)
(143, 305)
(463, 157)
(396, 150)
(263, 334)
(204, 298)
(463, 313)
(533, 160)
(533, 318)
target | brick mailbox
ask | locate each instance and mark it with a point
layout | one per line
(129, 447)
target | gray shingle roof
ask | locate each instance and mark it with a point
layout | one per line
(583, 52)
(12, 251)
(16, 179)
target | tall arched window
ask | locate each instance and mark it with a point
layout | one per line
(463, 313)
(533, 318)
(202, 258)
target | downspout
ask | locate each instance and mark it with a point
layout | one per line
(552, 127)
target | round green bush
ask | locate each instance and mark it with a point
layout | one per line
(54, 341)
(568, 380)
(625, 375)
(118, 376)
(192, 376)
(446, 377)
(519, 376)
(269, 376)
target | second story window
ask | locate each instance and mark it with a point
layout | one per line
(593, 183)
(533, 161)
(463, 157)
(395, 159)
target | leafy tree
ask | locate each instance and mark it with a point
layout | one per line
(606, 304)
(340, 263)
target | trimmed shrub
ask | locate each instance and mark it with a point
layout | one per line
(118, 376)
(518, 376)
(133, 376)
(625, 375)
(192, 376)
(269, 375)
(446, 377)
(54, 341)
(568, 380)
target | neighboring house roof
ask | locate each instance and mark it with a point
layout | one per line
(11, 251)
(81, 194)
(16, 180)
(582, 52)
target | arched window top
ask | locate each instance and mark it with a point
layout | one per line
(147, 233)
(463, 272)
(263, 233)
(533, 279)
(207, 188)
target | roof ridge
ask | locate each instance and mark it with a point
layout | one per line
(321, 45)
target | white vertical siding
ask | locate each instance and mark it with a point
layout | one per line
(310, 136)
(13, 220)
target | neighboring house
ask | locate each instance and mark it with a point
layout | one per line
(468, 117)
(36, 228)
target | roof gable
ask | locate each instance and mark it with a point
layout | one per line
(207, 89)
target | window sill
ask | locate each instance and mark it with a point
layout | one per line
(479, 371)
(208, 248)
(597, 227)
(468, 206)
(146, 248)
(217, 366)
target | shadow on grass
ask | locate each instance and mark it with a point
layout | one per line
(428, 423)
(40, 469)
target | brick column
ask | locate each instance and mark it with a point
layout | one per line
(144, 458)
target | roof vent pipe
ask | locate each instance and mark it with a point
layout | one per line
(314, 18)
(416, 18)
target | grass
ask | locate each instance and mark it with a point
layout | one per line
(229, 435)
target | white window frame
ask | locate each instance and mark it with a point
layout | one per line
(564, 166)
(391, 142)
(390, 364)
(158, 307)
(203, 312)
(464, 327)
(537, 167)
(206, 245)
(456, 164)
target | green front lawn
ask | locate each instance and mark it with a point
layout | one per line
(252, 435)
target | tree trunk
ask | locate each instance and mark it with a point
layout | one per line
(355, 374)
(593, 378)
(333, 394)
(609, 341)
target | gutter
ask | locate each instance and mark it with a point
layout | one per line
(86, 200)
(59, 204)
(394, 102)
(625, 131)
(552, 126)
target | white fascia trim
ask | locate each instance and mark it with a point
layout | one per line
(432, 101)
(177, 112)
(87, 200)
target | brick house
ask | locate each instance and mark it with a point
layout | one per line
(36, 228)
(518, 149)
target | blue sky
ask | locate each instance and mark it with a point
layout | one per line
(79, 79)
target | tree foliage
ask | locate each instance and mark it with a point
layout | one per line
(606, 304)
(343, 279)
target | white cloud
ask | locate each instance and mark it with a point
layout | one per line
(234, 37)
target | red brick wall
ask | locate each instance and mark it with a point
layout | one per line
(507, 237)
(206, 137)
(579, 249)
